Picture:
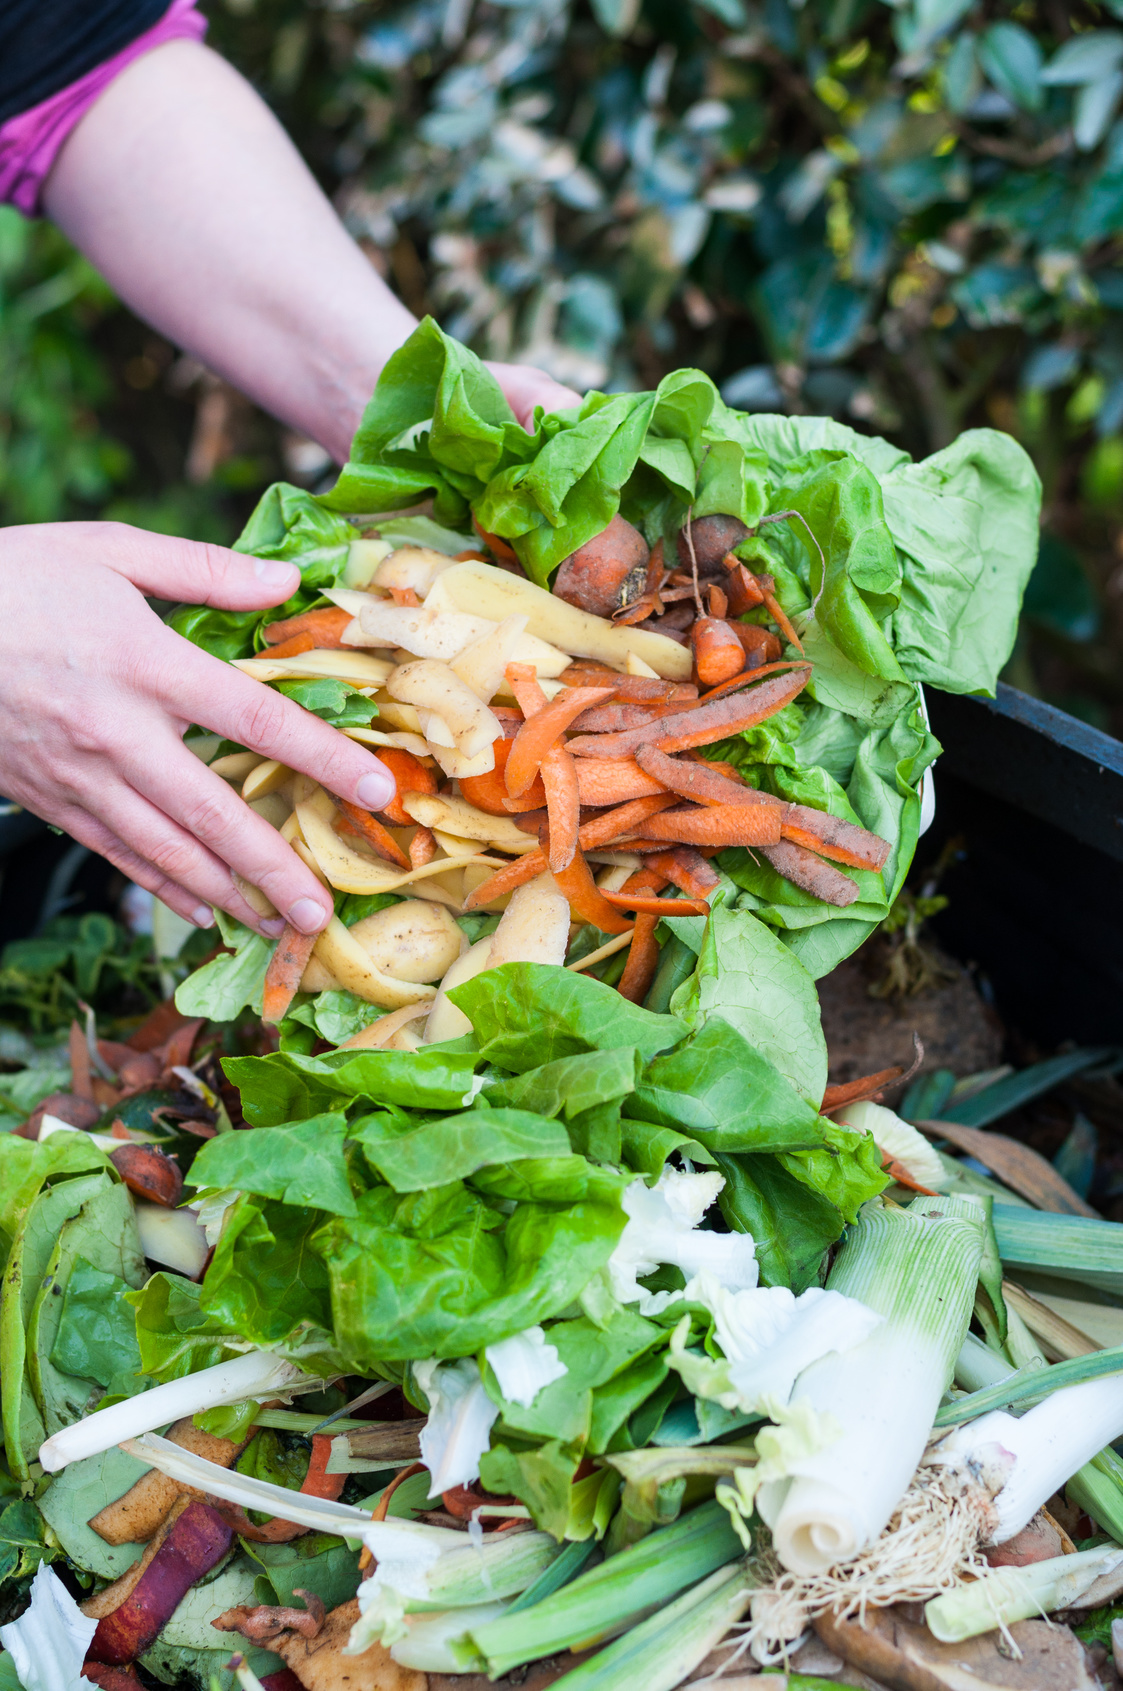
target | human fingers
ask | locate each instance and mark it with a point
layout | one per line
(525, 387)
(81, 826)
(195, 572)
(199, 688)
(116, 819)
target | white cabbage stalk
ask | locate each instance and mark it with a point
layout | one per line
(211, 1203)
(524, 1364)
(768, 1337)
(48, 1643)
(258, 1374)
(1006, 1595)
(458, 1430)
(429, 1641)
(1049, 1444)
(897, 1139)
(916, 1267)
(662, 1227)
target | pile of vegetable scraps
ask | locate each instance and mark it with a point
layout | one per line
(536, 1306)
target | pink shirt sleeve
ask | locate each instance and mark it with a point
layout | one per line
(30, 143)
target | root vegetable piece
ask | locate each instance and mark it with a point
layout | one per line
(173, 1238)
(696, 779)
(713, 538)
(542, 730)
(758, 644)
(613, 781)
(598, 831)
(110, 1679)
(412, 941)
(703, 724)
(777, 613)
(585, 898)
(833, 837)
(325, 626)
(434, 686)
(608, 573)
(269, 1620)
(718, 654)
(342, 954)
(358, 669)
(496, 545)
(283, 1680)
(458, 817)
(410, 776)
(415, 567)
(149, 1172)
(803, 869)
(497, 594)
(563, 806)
(140, 1512)
(481, 664)
(716, 825)
(317, 1482)
(741, 587)
(612, 719)
(374, 833)
(749, 677)
(643, 959)
(283, 976)
(422, 847)
(534, 928)
(195, 1540)
(445, 1020)
(378, 1034)
(686, 869)
(321, 1665)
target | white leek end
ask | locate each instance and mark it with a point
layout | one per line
(1006, 1595)
(260, 1373)
(1049, 1444)
(917, 1268)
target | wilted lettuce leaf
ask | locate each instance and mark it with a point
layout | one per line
(527, 1014)
(791, 1224)
(593, 1355)
(286, 1086)
(96, 1338)
(645, 1146)
(722, 1091)
(571, 1085)
(541, 1477)
(443, 1273)
(222, 988)
(299, 1162)
(437, 1152)
(845, 1169)
(751, 979)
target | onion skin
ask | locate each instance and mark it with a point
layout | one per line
(197, 1539)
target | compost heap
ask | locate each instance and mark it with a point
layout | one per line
(545, 1166)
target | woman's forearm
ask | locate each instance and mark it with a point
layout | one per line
(188, 196)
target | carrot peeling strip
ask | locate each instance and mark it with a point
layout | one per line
(702, 724)
(325, 625)
(563, 806)
(686, 869)
(833, 837)
(742, 588)
(716, 825)
(374, 833)
(586, 901)
(489, 792)
(543, 730)
(808, 872)
(855, 1091)
(522, 679)
(696, 779)
(748, 676)
(612, 719)
(643, 959)
(282, 977)
(422, 848)
(632, 689)
(410, 776)
(776, 612)
(648, 905)
(405, 596)
(293, 647)
(598, 831)
(613, 780)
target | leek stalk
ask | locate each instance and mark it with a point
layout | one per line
(917, 1268)
(569, 1562)
(1032, 1383)
(1006, 1595)
(661, 1651)
(1072, 1247)
(613, 1594)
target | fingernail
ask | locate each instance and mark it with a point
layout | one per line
(307, 915)
(374, 791)
(203, 916)
(273, 926)
(272, 573)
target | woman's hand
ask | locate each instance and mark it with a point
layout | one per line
(96, 693)
(525, 387)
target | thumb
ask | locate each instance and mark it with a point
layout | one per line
(195, 572)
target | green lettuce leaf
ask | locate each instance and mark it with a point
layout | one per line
(222, 988)
(845, 1169)
(298, 1162)
(527, 1014)
(792, 1224)
(457, 1146)
(266, 1282)
(287, 1086)
(571, 1085)
(97, 1330)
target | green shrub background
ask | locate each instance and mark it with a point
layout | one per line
(908, 216)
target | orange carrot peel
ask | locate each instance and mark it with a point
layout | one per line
(540, 732)
(702, 724)
(598, 831)
(294, 646)
(643, 959)
(283, 976)
(372, 831)
(410, 776)
(648, 905)
(716, 825)
(586, 900)
(563, 806)
(326, 627)
(612, 781)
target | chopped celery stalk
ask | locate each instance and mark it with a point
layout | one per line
(1006, 1595)
(609, 1596)
(1032, 1383)
(661, 1651)
(917, 1268)
(565, 1566)
(1071, 1247)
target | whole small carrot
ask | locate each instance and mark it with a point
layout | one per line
(283, 976)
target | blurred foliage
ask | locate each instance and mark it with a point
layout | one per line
(909, 216)
(75, 961)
